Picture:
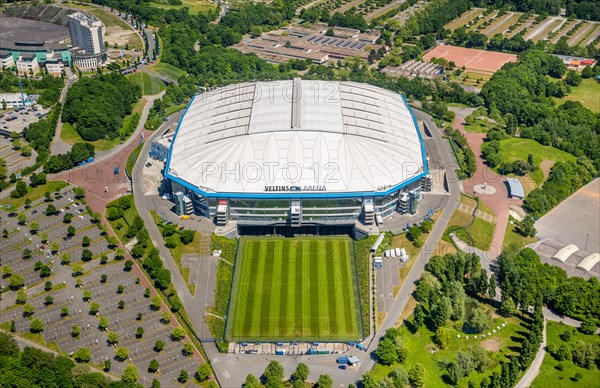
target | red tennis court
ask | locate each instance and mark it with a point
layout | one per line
(471, 59)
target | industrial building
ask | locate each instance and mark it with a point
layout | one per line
(311, 43)
(297, 154)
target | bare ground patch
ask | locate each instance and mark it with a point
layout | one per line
(545, 166)
(491, 345)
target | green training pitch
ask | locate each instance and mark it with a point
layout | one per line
(300, 289)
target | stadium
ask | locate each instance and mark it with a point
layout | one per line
(297, 154)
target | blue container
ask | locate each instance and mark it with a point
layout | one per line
(342, 360)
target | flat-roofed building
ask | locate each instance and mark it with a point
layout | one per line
(28, 64)
(13, 100)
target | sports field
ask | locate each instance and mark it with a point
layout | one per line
(300, 289)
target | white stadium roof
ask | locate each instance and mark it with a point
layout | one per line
(296, 135)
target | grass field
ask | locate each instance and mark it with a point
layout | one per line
(195, 6)
(167, 70)
(587, 94)
(512, 237)
(148, 84)
(33, 193)
(480, 233)
(551, 376)
(294, 289)
(517, 149)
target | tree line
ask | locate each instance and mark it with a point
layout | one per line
(34, 367)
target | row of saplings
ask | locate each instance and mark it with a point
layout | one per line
(272, 377)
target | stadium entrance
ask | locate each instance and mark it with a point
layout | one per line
(292, 231)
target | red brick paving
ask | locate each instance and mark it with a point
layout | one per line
(97, 176)
(499, 202)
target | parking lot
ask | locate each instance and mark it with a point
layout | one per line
(126, 309)
(18, 119)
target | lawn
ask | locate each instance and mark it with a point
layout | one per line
(473, 79)
(148, 84)
(512, 237)
(294, 289)
(167, 70)
(34, 193)
(195, 6)
(120, 225)
(587, 94)
(479, 234)
(421, 349)
(70, 136)
(479, 126)
(551, 376)
(518, 149)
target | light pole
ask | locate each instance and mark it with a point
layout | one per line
(586, 241)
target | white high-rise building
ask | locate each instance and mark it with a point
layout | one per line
(86, 33)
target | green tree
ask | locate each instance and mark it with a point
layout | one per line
(588, 326)
(416, 375)
(153, 366)
(139, 332)
(492, 286)
(94, 307)
(28, 310)
(16, 281)
(251, 381)
(64, 311)
(159, 346)
(188, 349)
(178, 334)
(113, 338)
(183, 376)
(103, 324)
(440, 312)
(508, 307)
(34, 228)
(21, 296)
(442, 337)
(386, 351)
(121, 353)
(22, 218)
(301, 373)
(107, 365)
(203, 372)
(75, 331)
(82, 355)
(324, 381)
(20, 190)
(273, 374)
(130, 375)
(526, 227)
(36, 325)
